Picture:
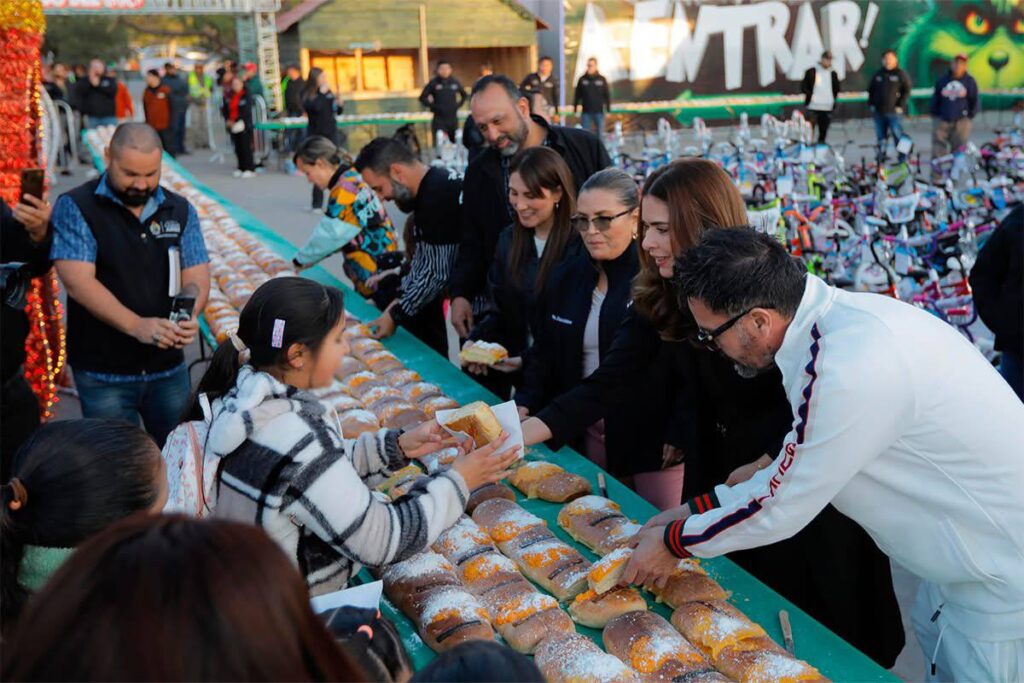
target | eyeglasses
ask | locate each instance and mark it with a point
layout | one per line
(602, 223)
(708, 337)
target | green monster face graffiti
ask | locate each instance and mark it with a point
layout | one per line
(989, 32)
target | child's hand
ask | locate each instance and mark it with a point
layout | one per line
(482, 466)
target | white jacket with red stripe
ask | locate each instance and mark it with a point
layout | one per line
(904, 426)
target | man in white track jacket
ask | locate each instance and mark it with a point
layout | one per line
(898, 421)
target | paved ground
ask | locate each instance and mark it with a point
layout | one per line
(282, 202)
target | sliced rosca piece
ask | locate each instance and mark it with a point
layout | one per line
(410, 582)
(527, 617)
(547, 481)
(488, 570)
(597, 523)
(595, 611)
(555, 566)
(759, 660)
(688, 583)
(714, 625)
(650, 646)
(607, 572)
(572, 658)
(476, 420)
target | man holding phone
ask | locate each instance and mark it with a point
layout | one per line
(25, 247)
(130, 254)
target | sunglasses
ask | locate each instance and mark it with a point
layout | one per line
(708, 337)
(602, 223)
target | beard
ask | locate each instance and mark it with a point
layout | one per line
(403, 197)
(133, 197)
(515, 140)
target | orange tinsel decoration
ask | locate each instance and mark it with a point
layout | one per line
(22, 25)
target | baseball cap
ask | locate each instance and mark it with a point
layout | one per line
(250, 66)
(962, 57)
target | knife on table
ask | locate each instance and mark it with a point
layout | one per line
(787, 632)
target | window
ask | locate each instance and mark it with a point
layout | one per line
(385, 71)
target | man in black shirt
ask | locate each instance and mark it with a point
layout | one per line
(502, 114)
(888, 95)
(543, 81)
(95, 96)
(433, 196)
(592, 92)
(443, 96)
(179, 105)
(25, 240)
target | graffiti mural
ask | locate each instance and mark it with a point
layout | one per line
(664, 49)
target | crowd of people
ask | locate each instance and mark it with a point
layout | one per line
(809, 432)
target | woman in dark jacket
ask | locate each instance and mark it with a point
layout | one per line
(237, 110)
(321, 107)
(722, 422)
(541, 191)
(578, 315)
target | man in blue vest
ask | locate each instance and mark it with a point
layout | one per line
(125, 248)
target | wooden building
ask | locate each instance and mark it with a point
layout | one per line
(382, 52)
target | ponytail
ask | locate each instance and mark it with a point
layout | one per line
(281, 312)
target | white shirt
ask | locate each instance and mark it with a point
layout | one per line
(539, 243)
(822, 98)
(905, 428)
(591, 339)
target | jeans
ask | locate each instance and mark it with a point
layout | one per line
(178, 126)
(97, 121)
(160, 403)
(1011, 367)
(886, 125)
(593, 122)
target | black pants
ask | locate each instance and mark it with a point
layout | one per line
(167, 139)
(243, 149)
(428, 326)
(446, 123)
(19, 418)
(822, 119)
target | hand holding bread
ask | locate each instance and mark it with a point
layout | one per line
(482, 466)
(425, 439)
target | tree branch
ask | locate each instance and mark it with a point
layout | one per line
(213, 35)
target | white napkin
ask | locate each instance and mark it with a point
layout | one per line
(508, 418)
(366, 596)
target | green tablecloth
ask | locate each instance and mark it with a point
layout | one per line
(835, 658)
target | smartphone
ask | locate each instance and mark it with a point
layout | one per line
(181, 308)
(32, 180)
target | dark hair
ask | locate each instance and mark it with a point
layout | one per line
(506, 83)
(890, 51)
(616, 181)
(78, 477)
(700, 195)
(380, 153)
(546, 58)
(169, 65)
(309, 311)
(310, 89)
(176, 599)
(542, 168)
(732, 270)
(442, 62)
(373, 641)
(317, 147)
(481, 661)
(153, 72)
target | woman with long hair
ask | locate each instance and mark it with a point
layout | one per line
(285, 465)
(237, 111)
(321, 107)
(176, 599)
(722, 422)
(354, 223)
(542, 194)
(71, 479)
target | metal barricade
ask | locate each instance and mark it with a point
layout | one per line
(261, 141)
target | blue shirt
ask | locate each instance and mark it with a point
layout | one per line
(74, 241)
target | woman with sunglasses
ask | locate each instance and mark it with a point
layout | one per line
(578, 315)
(542, 194)
(722, 421)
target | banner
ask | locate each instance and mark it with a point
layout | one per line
(671, 49)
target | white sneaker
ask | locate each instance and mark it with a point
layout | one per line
(249, 174)
(236, 173)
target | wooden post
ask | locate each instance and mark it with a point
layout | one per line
(304, 61)
(532, 66)
(424, 58)
(359, 69)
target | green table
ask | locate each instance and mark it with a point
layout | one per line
(835, 658)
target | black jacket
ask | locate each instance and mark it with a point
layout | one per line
(548, 88)
(443, 97)
(179, 92)
(321, 110)
(473, 139)
(293, 97)
(96, 100)
(512, 317)
(16, 247)
(807, 86)
(998, 282)
(889, 91)
(554, 365)
(485, 209)
(593, 93)
(244, 108)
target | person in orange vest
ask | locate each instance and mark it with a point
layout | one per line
(124, 108)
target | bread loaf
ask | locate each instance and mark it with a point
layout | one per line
(504, 520)
(650, 646)
(572, 658)
(760, 660)
(555, 566)
(484, 353)
(524, 616)
(549, 482)
(451, 616)
(688, 583)
(408, 583)
(595, 611)
(597, 523)
(607, 572)
(477, 421)
(488, 492)
(714, 625)
(431, 404)
(462, 541)
(356, 422)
